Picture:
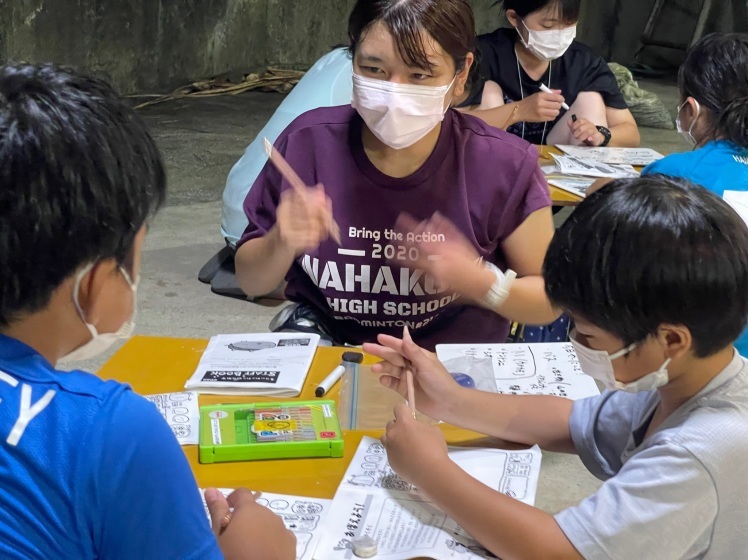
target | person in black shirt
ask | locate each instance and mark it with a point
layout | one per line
(539, 50)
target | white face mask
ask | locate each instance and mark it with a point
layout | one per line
(549, 44)
(598, 364)
(687, 134)
(100, 342)
(398, 114)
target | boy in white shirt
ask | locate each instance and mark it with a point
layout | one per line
(654, 273)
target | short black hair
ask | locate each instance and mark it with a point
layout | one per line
(450, 22)
(715, 73)
(567, 10)
(649, 251)
(79, 176)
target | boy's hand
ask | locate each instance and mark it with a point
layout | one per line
(413, 448)
(251, 531)
(435, 389)
(586, 132)
(305, 219)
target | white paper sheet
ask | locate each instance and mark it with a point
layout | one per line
(373, 500)
(738, 200)
(270, 364)
(569, 165)
(182, 413)
(520, 369)
(303, 516)
(629, 156)
(574, 185)
(549, 169)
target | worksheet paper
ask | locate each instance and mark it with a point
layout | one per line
(267, 364)
(303, 516)
(574, 185)
(738, 200)
(181, 413)
(373, 500)
(550, 368)
(628, 156)
(569, 165)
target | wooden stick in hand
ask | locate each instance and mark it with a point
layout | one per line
(296, 183)
(409, 377)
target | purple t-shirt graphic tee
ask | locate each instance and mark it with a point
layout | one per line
(485, 181)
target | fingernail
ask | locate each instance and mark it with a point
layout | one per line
(211, 494)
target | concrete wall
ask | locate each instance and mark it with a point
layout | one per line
(156, 45)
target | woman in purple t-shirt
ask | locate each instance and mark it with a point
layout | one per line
(431, 206)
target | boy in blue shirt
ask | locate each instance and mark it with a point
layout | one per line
(88, 469)
(654, 273)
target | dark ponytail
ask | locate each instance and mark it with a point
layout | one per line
(715, 73)
(733, 123)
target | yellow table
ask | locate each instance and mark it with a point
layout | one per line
(162, 365)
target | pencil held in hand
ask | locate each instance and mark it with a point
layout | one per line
(409, 377)
(411, 391)
(296, 183)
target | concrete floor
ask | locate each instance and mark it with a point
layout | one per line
(201, 140)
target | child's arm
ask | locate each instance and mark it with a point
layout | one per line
(542, 420)
(507, 527)
(455, 263)
(251, 530)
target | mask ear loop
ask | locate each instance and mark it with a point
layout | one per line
(76, 288)
(693, 122)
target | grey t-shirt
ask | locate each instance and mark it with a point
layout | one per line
(680, 493)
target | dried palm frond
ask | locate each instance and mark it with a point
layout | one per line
(273, 79)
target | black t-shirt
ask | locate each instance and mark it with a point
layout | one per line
(578, 70)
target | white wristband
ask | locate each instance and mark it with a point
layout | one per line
(499, 290)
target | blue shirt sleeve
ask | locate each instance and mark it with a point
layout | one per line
(144, 501)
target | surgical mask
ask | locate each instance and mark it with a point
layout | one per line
(398, 114)
(100, 342)
(549, 44)
(598, 364)
(687, 134)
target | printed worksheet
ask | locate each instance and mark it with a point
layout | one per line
(574, 185)
(374, 501)
(182, 414)
(266, 364)
(520, 369)
(587, 167)
(627, 156)
(303, 516)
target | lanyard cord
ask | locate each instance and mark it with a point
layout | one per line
(522, 91)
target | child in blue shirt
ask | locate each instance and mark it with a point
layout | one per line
(89, 469)
(713, 115)
(654, 273)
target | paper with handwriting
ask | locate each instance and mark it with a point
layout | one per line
(303, 516)
(628, 156)
(373, 500)
(520, 369)
(181, 413)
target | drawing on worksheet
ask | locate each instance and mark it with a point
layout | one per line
(574, 185)
(626, 156)
(303, 516)
(586, 167)
(182, 414)
(372, 500)
(520, 369)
